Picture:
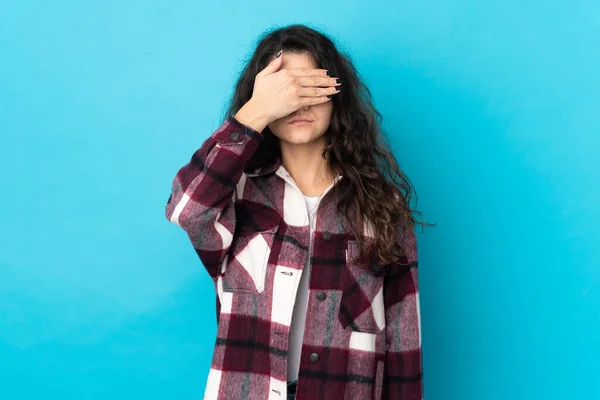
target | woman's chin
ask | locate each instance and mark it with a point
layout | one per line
(299, 139)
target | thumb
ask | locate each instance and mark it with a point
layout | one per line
(274, 65)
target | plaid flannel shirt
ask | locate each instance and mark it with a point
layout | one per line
(362, 336)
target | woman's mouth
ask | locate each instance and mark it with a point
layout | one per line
(300, 122)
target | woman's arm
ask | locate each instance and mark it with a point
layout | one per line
(203, 191)
(403, 360)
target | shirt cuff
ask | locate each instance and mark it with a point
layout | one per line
(247, 128)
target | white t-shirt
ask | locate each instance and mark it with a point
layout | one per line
(299, 313)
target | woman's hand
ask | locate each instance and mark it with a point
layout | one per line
(279, 92)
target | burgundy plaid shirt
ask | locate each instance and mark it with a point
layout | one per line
(362, 336)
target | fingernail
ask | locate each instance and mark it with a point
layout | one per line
(339, 87)
(338, 80)
(329, 73)
(278, 54)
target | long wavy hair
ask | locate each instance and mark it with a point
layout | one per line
(373, 190)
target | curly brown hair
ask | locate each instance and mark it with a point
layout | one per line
(373, 183)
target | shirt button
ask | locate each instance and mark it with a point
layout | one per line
(327, 235)
(314, 357)
(321, 296)
(234, 135)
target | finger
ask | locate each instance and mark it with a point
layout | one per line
(308, 72)
(311, 101)
(316, 91)
(272, 66)
(317, 81)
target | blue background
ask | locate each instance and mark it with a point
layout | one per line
(493, 112)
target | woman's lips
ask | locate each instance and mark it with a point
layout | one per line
(300, 123)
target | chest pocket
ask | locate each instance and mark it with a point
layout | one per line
(361, 305)
(245, 268)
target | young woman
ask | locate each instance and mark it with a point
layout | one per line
(298, 210)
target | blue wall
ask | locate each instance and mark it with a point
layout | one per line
(493, 108)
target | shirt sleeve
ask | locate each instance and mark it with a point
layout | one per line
(203, 191)
(403, 359)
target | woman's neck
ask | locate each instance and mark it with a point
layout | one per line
(307, 167)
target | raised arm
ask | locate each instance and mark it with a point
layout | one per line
(203, 191)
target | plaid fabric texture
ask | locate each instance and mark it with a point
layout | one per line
(362, 337)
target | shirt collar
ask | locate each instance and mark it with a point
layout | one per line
(260, 171)
(277, 167)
